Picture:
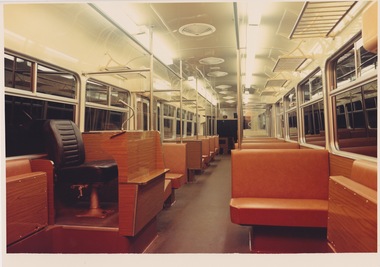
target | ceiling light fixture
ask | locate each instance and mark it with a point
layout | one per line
(211, 60)
(223, 87)
(197, 29)
(217, 74)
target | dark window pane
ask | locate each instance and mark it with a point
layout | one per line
(56, 82)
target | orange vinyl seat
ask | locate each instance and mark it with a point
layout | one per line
(279, 187)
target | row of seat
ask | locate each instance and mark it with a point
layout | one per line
(277, 184)
(179, 158)
(146, 172)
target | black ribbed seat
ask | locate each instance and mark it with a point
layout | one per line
(66, 149)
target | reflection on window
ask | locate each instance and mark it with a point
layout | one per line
(368, 61)
(292, 123)
(168, 128)
(314, 124)
(55, 82)
(356, 119)
(312, 87)
(345, 67)
(101, 119)
(24, 118)
(109, 116)
(353, 63)
(97, 93)
(18, 72)
(169, 110)
(117, 95)
(280, 120)
(142, 115)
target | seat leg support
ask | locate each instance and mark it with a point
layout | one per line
(95, 211)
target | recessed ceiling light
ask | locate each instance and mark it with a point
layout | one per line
(217, 73)
(197, 29)
(228, 97)
(223, 92)
(211, 60)
(230, 101)
(223, 87)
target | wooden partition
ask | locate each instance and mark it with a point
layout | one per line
(27, 200)
(194, 154)
(352, 224)
(141, 174)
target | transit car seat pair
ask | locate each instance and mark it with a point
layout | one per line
(66, 149)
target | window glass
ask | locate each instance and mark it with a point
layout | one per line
(109, 117)
(18, 73)
(312, 87)
(189, 125)
(356, 119)
(280, 120)
(291, 100)
(97, 93)
(24, 118)
(169, 110)
(370, 100)
(168, 128)
(56, 82)
(345, 68)
(117, 95)
(354, 63)
(368, 61)
(292, 123)
(101, 119)
(314, 124)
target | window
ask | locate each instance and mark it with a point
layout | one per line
(178, 124)
(280, 119)
(312, 108)
(55, 82)
(352, 63)
(354, 99)
(356, 118)
(18, 72)
(311, 88)
(104, 111)
(168, 121)
(28, 104)
(189, 123)
(290, 100)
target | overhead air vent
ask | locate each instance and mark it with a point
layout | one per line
(275, 83)
(211, 61)
(288, 63)
(197, 29)
(319, 19)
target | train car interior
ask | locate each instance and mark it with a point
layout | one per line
(186, 132)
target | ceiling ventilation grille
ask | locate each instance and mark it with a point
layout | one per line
(319, 19)
(197, 29)
(288, 63)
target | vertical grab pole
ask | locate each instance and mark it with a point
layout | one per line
(151, 102)
(239, 101)
(196, 108)
(180, 102)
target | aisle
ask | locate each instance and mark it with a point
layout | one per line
(199, 220)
